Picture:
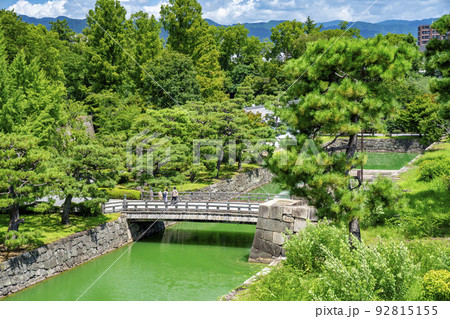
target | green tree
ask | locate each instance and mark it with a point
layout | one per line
(171, 79)
(85, 165)
(206, 60)
(106, 37)
(421, 115)
(144, 42)
(232, 41)
(284, 37)
(310, 26)
(177, 17)
(111, 113)
(24, 174)
(36, 100)
(438, 60)
(36, 42)
(65, 33)
(338, 94)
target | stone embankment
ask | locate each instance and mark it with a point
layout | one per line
(242, 183)
(39, 264)
(385, 145)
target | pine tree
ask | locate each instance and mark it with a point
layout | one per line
(24, 174)
(343, 88)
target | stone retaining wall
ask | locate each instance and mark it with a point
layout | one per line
(39, 264)
(410, 145)
(242, 183)
(275, 218)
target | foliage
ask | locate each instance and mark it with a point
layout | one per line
(107, 62)
(434, 167)
(284, 37)
(381, 199)
(421, 115)
(15, 239)
(63, 30)
(24, 175)
(170, 79)
(436, 285)
(321, 265)
(338, 94)
(118, 193)
(177, 17)
(438, 63)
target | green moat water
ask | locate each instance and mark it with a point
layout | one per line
(189, 261)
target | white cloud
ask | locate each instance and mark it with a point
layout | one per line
(154, 9)
(49, 9)
(233, 11)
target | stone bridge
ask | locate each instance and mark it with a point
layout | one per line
(275, 216)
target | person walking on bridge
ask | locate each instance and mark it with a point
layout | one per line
(165, 194)
(174, 196)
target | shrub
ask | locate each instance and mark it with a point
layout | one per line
(384, 272)
(17, 239)
(307, 250)
(86, 208)
(436, 285)
(117, 193)
(429, 255)
(434, 167)
(380, 201)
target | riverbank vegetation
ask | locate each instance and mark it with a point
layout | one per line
(404, 253)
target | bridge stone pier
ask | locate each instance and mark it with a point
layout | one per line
(275, 218)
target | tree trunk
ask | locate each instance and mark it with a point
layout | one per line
(240, 164)
(14, 220)
(353, 228)
(66, 210)
(352, 145)
(219, 161)
(192, 177)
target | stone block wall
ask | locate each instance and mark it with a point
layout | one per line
(275, 218)
(409, 145)
(39, 264)
(243, 182)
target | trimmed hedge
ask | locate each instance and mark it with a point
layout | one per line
(117, 193)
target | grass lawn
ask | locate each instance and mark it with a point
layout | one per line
(388, 161)
(49, 225)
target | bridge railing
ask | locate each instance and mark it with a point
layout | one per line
(204, 207)
(217, 196)
(114, 207)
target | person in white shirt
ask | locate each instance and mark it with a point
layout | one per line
(174, 195)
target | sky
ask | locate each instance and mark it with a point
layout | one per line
(239, 11)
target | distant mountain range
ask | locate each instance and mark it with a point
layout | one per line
(262, 29)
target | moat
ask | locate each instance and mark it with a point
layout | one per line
(188, 261)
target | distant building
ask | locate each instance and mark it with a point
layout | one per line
(259, 109)
(425, 33)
